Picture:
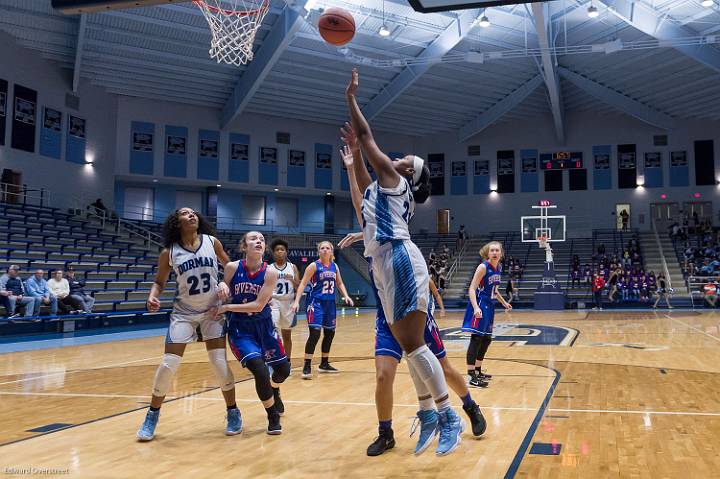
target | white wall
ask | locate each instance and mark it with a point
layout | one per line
(586, 209)
(63, 179)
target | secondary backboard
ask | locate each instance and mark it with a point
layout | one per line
(427, 6)
(75, 7)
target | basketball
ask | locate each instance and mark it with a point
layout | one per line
(337, 26)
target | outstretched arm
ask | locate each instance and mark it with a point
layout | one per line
(362, 175)
(309, 272)
(387, 176)
(355, 195)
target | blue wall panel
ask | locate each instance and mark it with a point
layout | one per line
(175, 147)
(239, 158)
(679, 176)
(653, 178)
(75, 140)
(51, 133)
(323, 176)
(142, 147)
(208, 155)
(602, 177)
(529, 180)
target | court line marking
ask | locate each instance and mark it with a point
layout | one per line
(362, 404)
(692, 327)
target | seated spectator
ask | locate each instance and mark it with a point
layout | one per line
(710, 293)
(432, 256)
(36, 286)
(77, 292)
(98, 207)
(575, 276)
(13, 289)
(624, 288)
(60, 287)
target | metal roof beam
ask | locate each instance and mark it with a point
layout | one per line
(79, 52)
(498, 110)
(654, 23)
(274, 44)
(542, 26)
(619, 101)
(446, 41)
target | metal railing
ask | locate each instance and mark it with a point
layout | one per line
(106, 218)
(23, 195)
(663, 262)
(458, 259)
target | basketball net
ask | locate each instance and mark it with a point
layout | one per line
(542, 242)
(233, 30)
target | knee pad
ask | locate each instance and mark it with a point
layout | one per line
(219, 365)
(328, 336)
(262, 378)
(281, 372)
(312, 341)
(165, 373)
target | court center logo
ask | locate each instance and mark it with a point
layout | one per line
(519, 335)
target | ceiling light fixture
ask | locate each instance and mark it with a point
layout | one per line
(484, 21)
(592, 11)
(707, 3)
(384, 31)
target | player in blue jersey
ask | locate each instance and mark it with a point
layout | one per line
(322, 275)
(480, 312)
(193, 253)
(399, 270)
(252, 336)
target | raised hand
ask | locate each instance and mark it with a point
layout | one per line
(348, 136)
(347, 156)
(354, 83)
(350, 239)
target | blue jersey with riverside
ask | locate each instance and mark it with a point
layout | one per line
(488, 283)
(245, 288)
(323, 283)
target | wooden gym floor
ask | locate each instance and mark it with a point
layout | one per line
(574, 394)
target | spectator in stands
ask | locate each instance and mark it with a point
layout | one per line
(575, 276)
(587, 274)
(60, 287)
(13, 289)
(644, 289)
(601, 250)
(432, 256)
(597, 287)
(77, 292)
(462, 237)
(36, 286)
(98, 207)
(662, 291)
(511, 291)
(710, 293)
(625, 219)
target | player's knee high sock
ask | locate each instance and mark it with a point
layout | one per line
(219, 365)
(262, 378)
(429, 369)
(484, 345)
(328, 335)
(472, 352)
(165, 373)
(312, 341)
(280, 372)
(423, 393)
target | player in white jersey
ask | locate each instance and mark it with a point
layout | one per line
(284, 294)
(193, 253)
(399, 270)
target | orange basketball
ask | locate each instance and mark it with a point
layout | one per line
(337, 26)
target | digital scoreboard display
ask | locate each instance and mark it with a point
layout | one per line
(562, 160)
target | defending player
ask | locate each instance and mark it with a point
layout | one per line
(480, 312)
(322, 275)
(251, 334)
(399, 270)
(281, 304)
(193, 253)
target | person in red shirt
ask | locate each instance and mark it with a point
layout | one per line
(597, 286)
(710, 290)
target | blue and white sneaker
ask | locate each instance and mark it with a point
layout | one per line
(428, 429)
(451, 428)
(234, 422)
(147, 430)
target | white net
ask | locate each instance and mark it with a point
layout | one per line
(234, 24)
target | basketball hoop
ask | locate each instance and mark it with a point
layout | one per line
(233, 30)
(542, 241)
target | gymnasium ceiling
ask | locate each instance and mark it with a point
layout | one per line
(442, 72)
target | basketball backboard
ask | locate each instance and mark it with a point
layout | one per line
(551, 229)
(75, 7)
(427, 6)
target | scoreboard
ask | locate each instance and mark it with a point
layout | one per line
(562, 160)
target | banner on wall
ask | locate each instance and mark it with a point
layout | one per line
(51, 133)
(678, 158)
(24, 119)
(323, 161)
(506, 171)
(653, 160)
(436, 165)
(482, 168)
(209, 148)
(529, 165)
(76, 127)
(176, 145)
(3, 109)
(458, 168)
(239, 152)
(142, 141)
(296, 158)
(268, 155)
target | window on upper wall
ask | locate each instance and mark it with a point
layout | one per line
(253, 208)
(286, 212)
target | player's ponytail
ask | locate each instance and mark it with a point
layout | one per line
(421, 188)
